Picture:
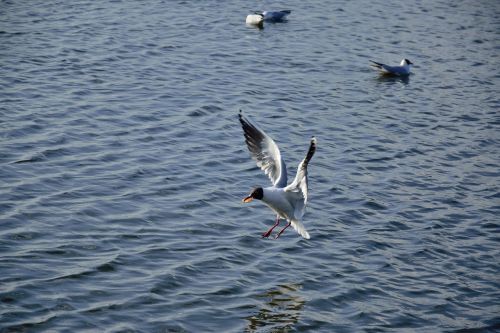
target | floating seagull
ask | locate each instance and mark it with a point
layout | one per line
(403, 68)
(288, 202)
(258, 18)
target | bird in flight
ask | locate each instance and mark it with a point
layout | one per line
(287, 201)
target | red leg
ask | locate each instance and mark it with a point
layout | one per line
(267, 233)
(279, 234)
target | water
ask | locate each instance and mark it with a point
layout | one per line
(123, 167)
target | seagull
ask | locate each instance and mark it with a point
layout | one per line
(403, 69)
(275, 16)
(287, 201)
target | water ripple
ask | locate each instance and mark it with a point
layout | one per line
(123, 167)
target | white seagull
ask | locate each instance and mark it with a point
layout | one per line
(288, 202)
(402, 70)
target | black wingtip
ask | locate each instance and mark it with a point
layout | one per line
(245, 124)
(311, 150)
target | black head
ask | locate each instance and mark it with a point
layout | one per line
(257, 193)
(408, 62)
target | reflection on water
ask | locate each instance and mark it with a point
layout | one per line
(389, 78)
(122, 162)
(259, 26)
(280, 310)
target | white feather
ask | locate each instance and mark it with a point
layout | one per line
(254, 19)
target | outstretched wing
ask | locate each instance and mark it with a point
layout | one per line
(299, 185)
(265, 152)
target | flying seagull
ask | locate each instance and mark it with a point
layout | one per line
(287, 201)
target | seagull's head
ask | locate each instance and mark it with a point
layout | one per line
(257, 193)
(407, 62)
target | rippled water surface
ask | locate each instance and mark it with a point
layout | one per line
(123, 167)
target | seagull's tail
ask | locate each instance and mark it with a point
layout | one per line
(301, 230)
(377, 64)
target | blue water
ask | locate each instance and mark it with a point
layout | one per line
(123, 166)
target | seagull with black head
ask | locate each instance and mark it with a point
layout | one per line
(287, 201)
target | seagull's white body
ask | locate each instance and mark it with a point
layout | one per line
(403, 69)
(288, 204)
(287, 201)
(255, 19)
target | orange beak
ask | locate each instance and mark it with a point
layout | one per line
(247, 199)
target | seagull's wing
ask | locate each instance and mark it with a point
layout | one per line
(399, 70)
(382, 67)
(265, 152)
(298, 187)
(276, 16)
(283, 13)
(377, 65)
